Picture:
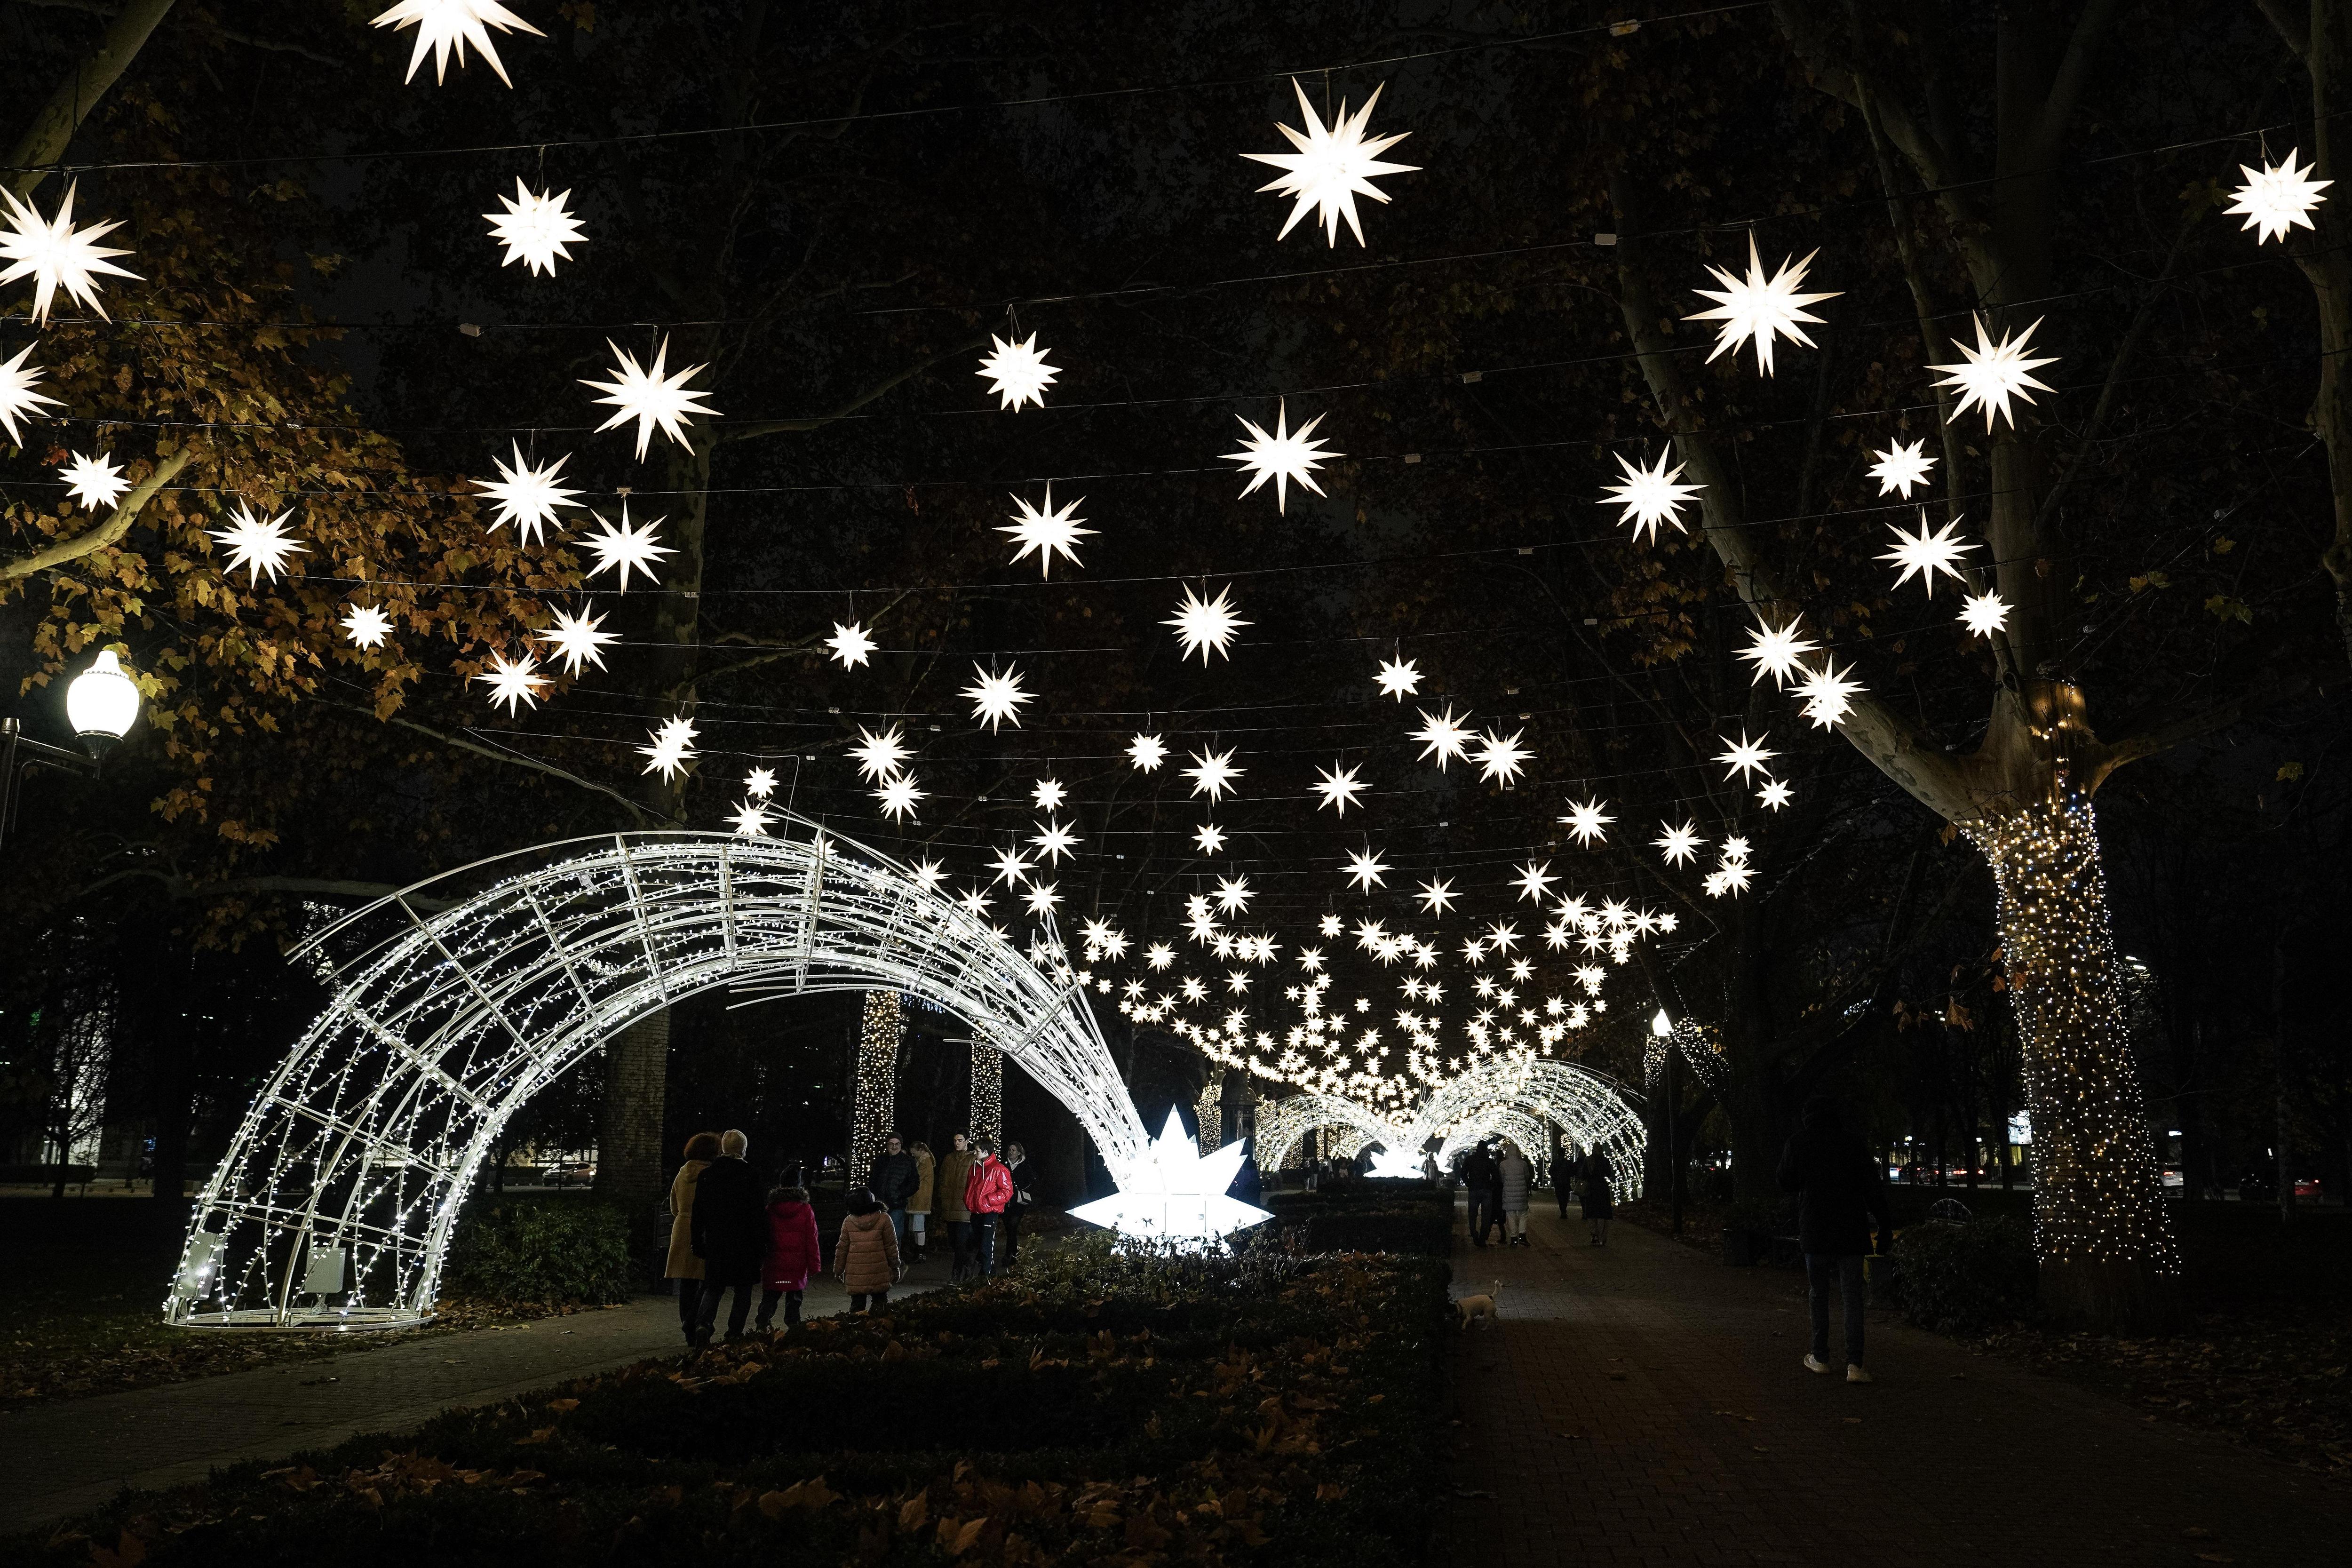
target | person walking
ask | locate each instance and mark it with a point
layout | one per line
(684, 1266)
(1563, 1171)
(1839, 1190)
(955, 1168)
(1516, 1176)
(918, 1207)
(1477, 1177)
(893, 1182)
(1016, 1166)
(986, 1192)
(866, 1257)
(730, 1232)
(1596, 1184)
(795, 1252)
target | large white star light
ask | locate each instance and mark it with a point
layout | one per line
(367, 625)
(1338, 788)
(2277, 196)
(1213, 772)
(1501, 759)
(18, 398)
(513, 682)
(1399, 679)
(1175, 1194)
(54, 254)
(1285, 455)
(576, 641)
(672, 748)
(1774, 650)
(1588, 821)
(96, 482)
(1756, 308)
(1436, 895)
(1827, 693)
(850, 644)
(1924, 555)
(1651, 496)
(1678, 845)
(535, 229)
(1331, 166)
(443, 26)
(897, 796)
(1443, 737)
(880, 757)
(1147, 752)
(995, 698)
(1048, 532)
(1984, 614)
(655, 401)
(625, 547)
(1017, 373)
(1208, 838)
(1901, 466)
(527, 494)
(1366, 870)
(1206, 626)
(1991, 374)
(262, 547)
(1745, 756)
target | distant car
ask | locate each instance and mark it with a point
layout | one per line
(571, 1176)
(2308, 1187)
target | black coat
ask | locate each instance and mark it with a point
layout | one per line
(1481, 1175)
(731, 1222)
(1839, 1189)
(895, 1179)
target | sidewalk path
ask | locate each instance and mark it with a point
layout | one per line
(76, 1454)
(1643, 1404)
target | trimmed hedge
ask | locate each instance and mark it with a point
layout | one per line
(1964, 1277)
(1382, 1215)
(540, 1251)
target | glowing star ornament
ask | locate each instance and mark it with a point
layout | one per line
(1901, 468)
(1366, 870)
(1213, 773)
(535, 229)
(1048, 533)
(1147, 752)
(1048, 794)
(2276, 197)
(1744, 756)
(1501, 760)
(1338, 788)
(1011, 865)
(751, 820)
(513, 682)
(1991, 373)
(1399, 679)
(1208, 839)
(443, 26)
(1329, 167)
(1535, 880)
(1444, 738)
(1774, 650)
(367, 625)
(850, 644)
(623, 547)
(1826, 693)
(1283, 457)
(1206, 626)
(1041, 899)
(1233, 894)
(1017, 373)
(896, 797)
(1330, 925)
(576, 641)
(1394, 1164)
(995, 698)
(1984, 614)
(1054, 840)
(528, 495)
(880, 757)
(1651, 496)
(654, 400)
(1678, 845)
(1924, 555)
(760, 783)
(1773, 795)
(1756, 308)
(1589, 822)
(54, 254)
(18, 398)
(672, 749)
(1436, 895)
(1176, 1195)
(95, 482)
(262, 548)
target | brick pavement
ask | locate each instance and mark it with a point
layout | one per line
(1643, 1404)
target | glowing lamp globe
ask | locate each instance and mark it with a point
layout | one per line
(101, 703)
(1662, 1026)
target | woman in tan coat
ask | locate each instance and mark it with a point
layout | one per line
(947, 1202)
(685, 1267)
(918, 1207)
(865, 1258)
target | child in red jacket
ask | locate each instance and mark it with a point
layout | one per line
(794, 1254)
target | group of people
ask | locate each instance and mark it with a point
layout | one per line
(725, 1235)
(1498, 1176)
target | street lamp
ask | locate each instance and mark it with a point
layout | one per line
(102, 703)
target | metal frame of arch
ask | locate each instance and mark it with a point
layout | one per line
(1283, 1124)
(335, 1203)
(1590, 1106)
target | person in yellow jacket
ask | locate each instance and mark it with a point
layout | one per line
(685, 1264)
(918, 1207)
(947, 1202)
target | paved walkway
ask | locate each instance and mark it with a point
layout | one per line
(76, 1454)
(1643, 1404)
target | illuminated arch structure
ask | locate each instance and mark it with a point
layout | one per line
(1283, 1124)
(335, 1203)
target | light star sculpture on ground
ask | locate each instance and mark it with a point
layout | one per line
(443, 26)
(654, 400)
(1651, 496)
(55, 255)
(528, 495)
(1017, 373)
(1991, 374)
(535, 229)
(1757, 309)
(1283, 457)
(1046, 532)
(1330, 166)
(1175, 1194)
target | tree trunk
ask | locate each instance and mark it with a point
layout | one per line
(630, 1163)
(2104, 1241)
(45, 141)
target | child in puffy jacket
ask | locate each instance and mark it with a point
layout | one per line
(794, 1254)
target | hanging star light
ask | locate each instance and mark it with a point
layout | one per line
(1399, 679)
(1054, 840)
(1589, 822)
(1330, 925)
(1501, 760)
(995, 698)
(880, 758)
(367, 625)
(96, 482)
(1679, 844)
(1160, 955)
(1017, 373)
(1339, 788)
(760, 783)
(528, 495)
(1206, 626)
(1501, 935)
(626, 548)
(18, 398)
(1826, 691)
(1048, 794)
(1651, 496)
(54, 254)
(1213, 774)
(1534, 881)
(262, 548)
(1233, 894)
(1774, 650)
(896, 797)
(445, 26)
(576, 641)
(672, 748)
(1924, 555)
(1208, 839)
(1330, 166)
(648, 396)
(1984, 614)
(1011, 865)
(1366, 870)
(1744, 756)
(751, 820)
(1901, 468)
(850, 644)
(1991, 374)
(1436, 895)
(1147, 752)
(1773, 795)
(1048, 532)
(975, 901)
(535, 229)
(1443, 737)
(1283, 457)
(2276, 197)
(512, 681)
(1042, 898)
(1756, 308)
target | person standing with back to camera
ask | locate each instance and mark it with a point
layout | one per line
(948, 1204)
(918, 1207)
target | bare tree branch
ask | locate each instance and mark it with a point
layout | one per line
(512, 759)
(2295, 29)
(102, 537)
(2068, 82)
(788, 426)
(178, 886)
(46, 140)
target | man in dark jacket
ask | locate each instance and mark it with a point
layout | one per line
(730, 1232)
(896, 1176)
(1482, 1184)
(1840, 1189)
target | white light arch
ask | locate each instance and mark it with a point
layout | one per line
(1281, 1125)
(335, 1202)
(1588, 1106)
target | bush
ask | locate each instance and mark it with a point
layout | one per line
(1384, 1216)
(540, 1251)
(1964, 1278)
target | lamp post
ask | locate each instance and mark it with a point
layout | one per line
(1664, 1028)
(102, 703)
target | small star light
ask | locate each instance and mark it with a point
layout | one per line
(1208, 838)
(672, 748)
(528, 496)
(1048, 794)
(1825, 692)
(443, 25)
(1285, 455)
(1501, 760)
(96, 482)
(1399, 679)
(535, 229)
(995, 698)
(880, 757)
(1589, 822)
(1444, 738)
(1901, 468)
(1330, 925)
(54, 254)
(751, 820)
(760, 783)
(366, 626)
(1339, 788)
(576, 641)
(1757, 309)
(1213, 774)
(975, 900)
(1017, 373)
(630, 549)
(1011, 865)
(1744, 756)
(1984, 614)
(2277, 196)
(1678, 845)
(1534, 881)
(1331, 166)
(18, 398)
(1773, 650)
(1773, 795)
(898, 797)
(1233, 894)
(850, 644)
(1147, 752)
(1042, 898)
(1206, 626)
(1924, 555)
(1991, 374)
(1651, 496)
(1366, 870)
(260, 547)
(648, 396)
(1436, 895)
(1048, 533)
(513, 682)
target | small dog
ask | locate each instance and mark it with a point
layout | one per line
(1481, 1308)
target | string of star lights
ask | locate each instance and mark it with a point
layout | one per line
(874, 1092)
